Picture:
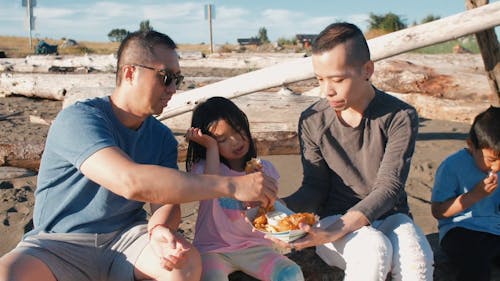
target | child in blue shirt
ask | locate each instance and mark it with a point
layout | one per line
(466, 200)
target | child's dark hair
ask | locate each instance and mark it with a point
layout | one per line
(485, 130)
(205, 115)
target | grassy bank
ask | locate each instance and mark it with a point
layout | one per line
(18, 47)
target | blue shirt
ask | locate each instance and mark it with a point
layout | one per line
(459, 174)
(68, 202)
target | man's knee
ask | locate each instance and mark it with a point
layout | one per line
(14, 265)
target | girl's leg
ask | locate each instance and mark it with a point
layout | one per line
(216, 267)
(471, 252)
(412, 254)
(364, 254)
(264, 263)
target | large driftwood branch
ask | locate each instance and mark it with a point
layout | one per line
(55, 87)
(381, 47)
(50, 86)
(282, 139)
(23, 155)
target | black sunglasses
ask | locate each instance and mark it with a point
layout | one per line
(168, 76)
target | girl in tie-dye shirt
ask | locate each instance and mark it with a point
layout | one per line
(220, 143)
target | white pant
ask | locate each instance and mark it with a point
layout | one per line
(394, 244)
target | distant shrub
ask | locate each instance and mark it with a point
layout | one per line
(226, 48)
(286, 42)
(430, 18)
(117, 34)
(467, 42)
(389, 22)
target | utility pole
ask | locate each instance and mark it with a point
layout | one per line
(210, 14)
(30, 19)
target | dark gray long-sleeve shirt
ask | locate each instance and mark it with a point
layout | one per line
(363, 168)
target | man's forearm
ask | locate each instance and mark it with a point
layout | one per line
(160, 185)
(349, 222)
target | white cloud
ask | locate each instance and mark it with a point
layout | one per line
(53, 13)
(105, 11)
(224, 13)
(281, 16)
(183, 12)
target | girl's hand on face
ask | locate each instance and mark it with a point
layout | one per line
(195, 134)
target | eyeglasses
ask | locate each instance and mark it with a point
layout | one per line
(168, 76)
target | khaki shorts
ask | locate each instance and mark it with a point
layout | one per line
(85, 256)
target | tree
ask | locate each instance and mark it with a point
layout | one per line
(389, 22)
(145, 26)
(263, 35)
(117, 35)
(429, 18)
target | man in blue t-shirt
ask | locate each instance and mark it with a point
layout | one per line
(104, 159)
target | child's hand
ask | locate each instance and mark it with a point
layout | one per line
(487, 186)
(195, 134)
(171, 248)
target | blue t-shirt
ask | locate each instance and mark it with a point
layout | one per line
(459, 174)
(68, 202)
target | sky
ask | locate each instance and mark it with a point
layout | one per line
(185, 22)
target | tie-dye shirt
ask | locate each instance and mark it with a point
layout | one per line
(220, 226)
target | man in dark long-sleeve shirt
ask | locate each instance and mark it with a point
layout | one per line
(356, 147)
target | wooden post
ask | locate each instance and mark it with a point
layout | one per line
(490, 51)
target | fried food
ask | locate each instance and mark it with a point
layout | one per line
(293, 221)
(287, 223)
(253, 165)
(260, 220)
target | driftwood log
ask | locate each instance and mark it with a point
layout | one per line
(272, 137)
(436, 93)
(23, 155)
(50, 86)
(294, 70)
(391, 44)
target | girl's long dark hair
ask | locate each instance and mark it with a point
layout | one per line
(206, 115)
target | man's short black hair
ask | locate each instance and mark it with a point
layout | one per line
(343, 33)
(138, 48)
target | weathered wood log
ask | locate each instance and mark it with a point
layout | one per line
(56, 86)
(273, 76)
(50, 86)
(22, 155)
(274, 132)
(490, 51)
(381, 47)
(7, 172)
(44, 63)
